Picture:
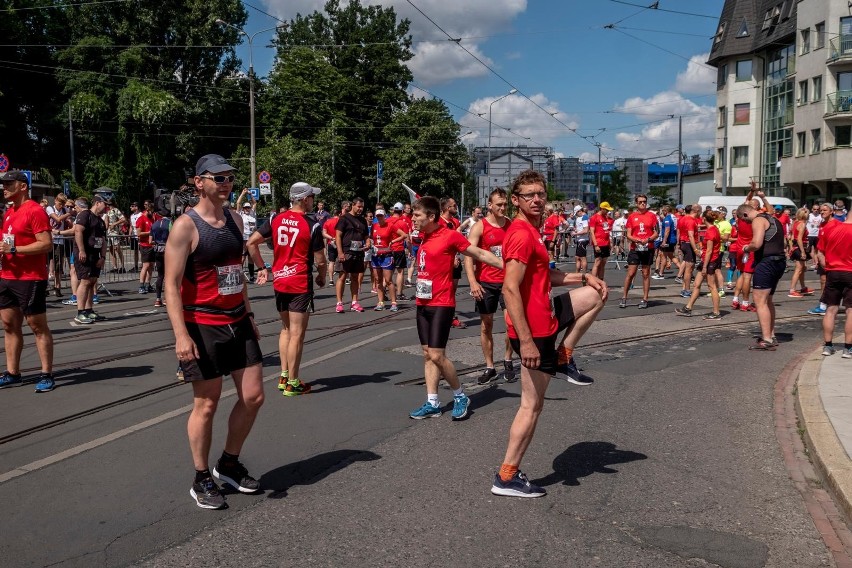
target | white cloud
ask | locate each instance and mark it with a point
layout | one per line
(698, 78)
(442, 61)
(514, 119)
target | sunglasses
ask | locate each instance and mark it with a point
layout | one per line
(220, 179)
(641, 201)
(530, 196)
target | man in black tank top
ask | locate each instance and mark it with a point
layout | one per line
(767, 246)
(215, 333)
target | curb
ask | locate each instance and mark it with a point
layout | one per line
(826, 452)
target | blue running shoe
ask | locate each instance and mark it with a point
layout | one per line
(72, 301)
(518, 486)
(426, 411)
(45, 383)
(817, 311)
(460, 405)
(7, 379)
(96, 299)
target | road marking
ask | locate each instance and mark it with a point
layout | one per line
(76, 450)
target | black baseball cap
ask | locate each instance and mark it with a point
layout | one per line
(213, 163)
(15, 175)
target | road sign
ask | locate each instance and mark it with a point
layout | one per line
(265, 188)
(264, 177)
(66, 187)
(380, 170)
(255, 192)
(4, 163)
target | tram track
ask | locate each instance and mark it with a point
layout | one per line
(79, 365)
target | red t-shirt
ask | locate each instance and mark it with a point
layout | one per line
(795, 233)
(435, 260)
(837, 239)
(403, 224)
(491, 240)
(144, 224)
(330, 226)
(452, 224)
(601, 225)
(822, 228)
(382, 236)
(295, 239)
(550, 225)
(734, 240)
(784, 219)
(642, 225)
(20, 226)
(712, 234)
(523, 243)
(684, 225)
(744, 233)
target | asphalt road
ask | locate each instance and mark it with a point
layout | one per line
(669, 459)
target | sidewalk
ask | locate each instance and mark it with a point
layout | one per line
(823, 397)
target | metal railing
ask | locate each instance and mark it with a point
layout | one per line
(122, 263)
(840, 47)
(839, 102)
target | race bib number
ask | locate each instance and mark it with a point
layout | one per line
(424, 289)
(641, 248)
(230, 279)
(160, 248)
(497, 251)
(98, 242)
(356, 246)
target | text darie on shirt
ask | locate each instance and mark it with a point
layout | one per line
(20, 226)
(435, 267)
(641, 226)
(523, 243)
(295, 238)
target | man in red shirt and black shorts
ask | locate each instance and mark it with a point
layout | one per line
(834, 253)
(297, 245)
(436, 302)
(534, 321)
(23, 280)
(215, 334)
(641, 230)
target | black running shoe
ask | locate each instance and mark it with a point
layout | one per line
(206, 494)
(487, 376)
(236, 475)
(518, 486)
(509, 372)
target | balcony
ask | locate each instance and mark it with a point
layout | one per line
(840, 50)
(838, 105)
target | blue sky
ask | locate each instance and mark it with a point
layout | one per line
(615, 86)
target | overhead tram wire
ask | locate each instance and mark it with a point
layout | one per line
(656, 46)
(658, 9)
(457, 41)
(76, 4)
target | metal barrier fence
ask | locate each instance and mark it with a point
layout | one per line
(122, 263)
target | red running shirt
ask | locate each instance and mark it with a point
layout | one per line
(382, 236)
(492, 239)
(435, 267)
(643, 226)
(402, 223)
(330, 227)
(295, 239)
(550, 225)
(685, 224)
(20, 226)
(452, 224)
(735, 245)
(144, 224)
(836, 241)
(523, 243)
(601, 225)
(712, 234)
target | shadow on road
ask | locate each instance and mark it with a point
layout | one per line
(310, 470)
(584, 459)
(326, 384)
(68, 378)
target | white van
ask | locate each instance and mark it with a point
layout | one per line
(731, 202)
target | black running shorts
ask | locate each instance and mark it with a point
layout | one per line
(300, 303)
(492, 298)
(768, 272)
(640, 258)
(400, 260)
(581, 249)
(838, 287)
(547, 345)
(223, 349)
(433, 325)
(29, 295)
(688, 252)
(89, 269)
(604, 252)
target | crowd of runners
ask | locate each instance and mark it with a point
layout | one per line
(510, 265)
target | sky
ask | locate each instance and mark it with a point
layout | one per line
(587, 72)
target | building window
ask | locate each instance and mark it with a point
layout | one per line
(843, 135)
(722, 76)
(801, 144)
(805, 45)
(819, 31)
(816, 141)
(744, 70)
(720, 158)
(740, 156)
(723, 117)
(720, 33)
(803, 92)
(741, 113)
(816, 93)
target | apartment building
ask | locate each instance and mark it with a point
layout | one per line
(784, 98)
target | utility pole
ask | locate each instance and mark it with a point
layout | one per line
(71, 141)
(600, 192)
(724, 156)
(680, 159)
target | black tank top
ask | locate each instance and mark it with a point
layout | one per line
(213, 279)
(773, 239)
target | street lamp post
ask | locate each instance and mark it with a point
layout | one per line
(250, 38)
(488, 165)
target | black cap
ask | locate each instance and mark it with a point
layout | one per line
(15, 175)
(98, 198)
(213, 163)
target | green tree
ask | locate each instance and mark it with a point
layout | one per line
(614, 189)
(423, 151)
(661, 195)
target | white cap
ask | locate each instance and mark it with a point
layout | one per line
(301, 190)
(578, 208)
(380, 212)
(397, 206)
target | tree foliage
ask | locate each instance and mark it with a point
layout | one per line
(614, 189)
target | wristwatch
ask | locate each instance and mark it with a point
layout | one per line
(13, 250)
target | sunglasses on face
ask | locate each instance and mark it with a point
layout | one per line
(220, 179)
(641, 201)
